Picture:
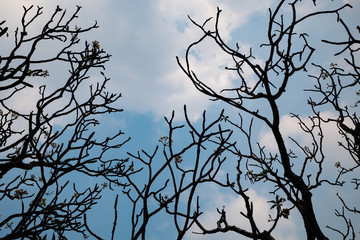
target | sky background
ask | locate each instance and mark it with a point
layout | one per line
(144, 38)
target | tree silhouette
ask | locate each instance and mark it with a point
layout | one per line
(169, 184)
(288, 53)
(292, 176)
(45, 147)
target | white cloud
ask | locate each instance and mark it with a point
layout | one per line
(150, 79)
(144, 39)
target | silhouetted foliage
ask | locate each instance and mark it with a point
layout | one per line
(44, 148)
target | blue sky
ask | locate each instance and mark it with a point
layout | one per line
(144, 37)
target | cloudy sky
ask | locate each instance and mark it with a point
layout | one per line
(144, 38)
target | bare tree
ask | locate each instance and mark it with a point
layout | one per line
(166, 182)
(39, 154)
(288, 53)
(44, 147)
(292, 175)
(332, 85)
